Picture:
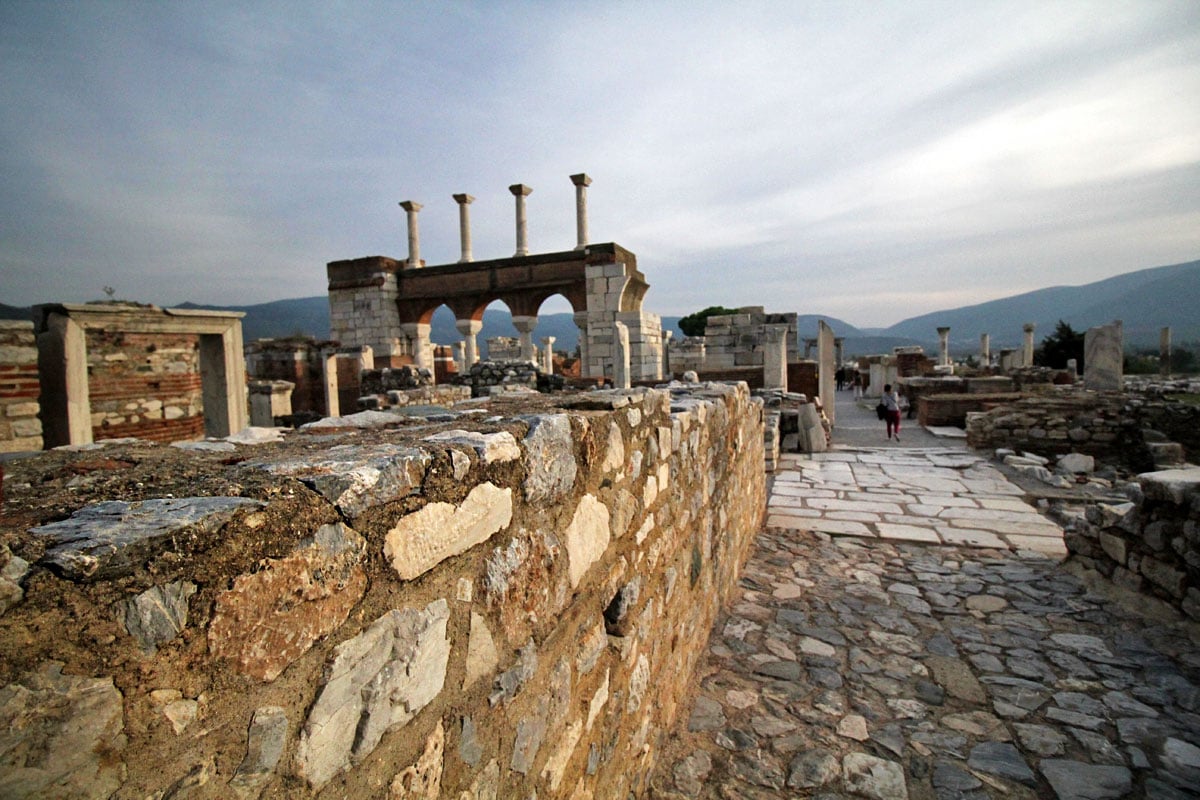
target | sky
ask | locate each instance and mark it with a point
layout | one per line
(871, 161)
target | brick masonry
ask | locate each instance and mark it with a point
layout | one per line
(20, 428)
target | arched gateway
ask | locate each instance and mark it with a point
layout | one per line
(386, 304)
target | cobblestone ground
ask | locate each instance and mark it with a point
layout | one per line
(906, 630)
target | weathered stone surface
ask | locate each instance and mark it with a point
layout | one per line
(486, 785)
(587, 537)
(1171, 485)
(1001, 759)
(272, 617)
(491, 447)
(874, 777)
(812, 769)
(549, 457)
(531, 730)
(13, 570)
(422, 780)
(181, 713)
(1073, 463)
(158, 614)
(358, 477)
(482, 657)
(1103, 358)
(1182, 759)
(1075, 780)
(689, 773)
(956, 678)
(61, 736)
(375, 682)
(556, 764)
(109, 539)
(423, 539)
(264, 746)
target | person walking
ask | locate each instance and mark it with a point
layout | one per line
(840, 378)
(891, 411)
(858, 385)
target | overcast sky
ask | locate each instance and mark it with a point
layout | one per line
(867, 160)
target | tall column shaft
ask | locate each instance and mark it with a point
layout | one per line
(464, 225)
(1164, 351)
(520, 192)
(548, 354)
(985, 349)
(943, 346)
(414, 239)
(525, 326)
(469, 328)
(581, 181)
(1027, 350)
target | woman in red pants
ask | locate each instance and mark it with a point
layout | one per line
(891, 414)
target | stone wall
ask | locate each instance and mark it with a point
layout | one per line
(300, 361)
(1095, 424)
(955, 408)
(145, 385)
(20, 428)
(507, 608)
(1151, 544)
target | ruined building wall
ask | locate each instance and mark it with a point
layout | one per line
(20, 428)
(299, 361)
(494, 613)
(145, 385)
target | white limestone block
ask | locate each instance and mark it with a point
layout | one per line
(491, 447)
(482, 656)
(587, 537)
(375, 682)
(423, 539)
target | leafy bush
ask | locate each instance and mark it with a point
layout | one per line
(693, 324)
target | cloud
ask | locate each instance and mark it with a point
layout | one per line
(866, 161)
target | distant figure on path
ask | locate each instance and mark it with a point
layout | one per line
(858, 385)
(840, 377)
(891, 404)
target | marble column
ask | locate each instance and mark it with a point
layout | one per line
(581, 181)
(667, 336)
(1007, 359)
(985, 349)
(520, 192)
(943, 346)
(464, 225)
(1027, 348)
(420, 344)
(330, 376)
(548, 354)
(525, 326)
(469, 328)
(1164, 352)
(414, 239)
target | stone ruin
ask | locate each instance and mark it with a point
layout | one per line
(486, 603)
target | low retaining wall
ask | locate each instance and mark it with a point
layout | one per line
(1096, 424)
(952, 409)
(1151, 546)
(502, 609)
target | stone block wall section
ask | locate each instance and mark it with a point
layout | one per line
(510, 607)
(1151, 545)
(20, 428)
(1103, 425)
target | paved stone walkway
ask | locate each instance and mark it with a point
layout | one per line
(906, 630)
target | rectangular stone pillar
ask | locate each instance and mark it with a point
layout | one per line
(621, 356)
(62, 371)
(1104, 358)
(269, 400)
(332, 405)
(1007, 359)
(985, 349)
(775, 361)
(826, 369)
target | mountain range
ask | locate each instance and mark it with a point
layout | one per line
(1145, 301)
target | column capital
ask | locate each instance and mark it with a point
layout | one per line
(1029, 327)
(943, 330)
(463, 199)
(520, 190)
(409, 205)
(581, 179)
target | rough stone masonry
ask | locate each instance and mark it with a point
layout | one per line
(497, 599)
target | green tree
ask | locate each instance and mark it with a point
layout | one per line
(693, 324)
(1059, 347)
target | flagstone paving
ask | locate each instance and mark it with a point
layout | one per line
(906, 629)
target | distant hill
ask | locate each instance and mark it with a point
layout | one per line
(1145, 301)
